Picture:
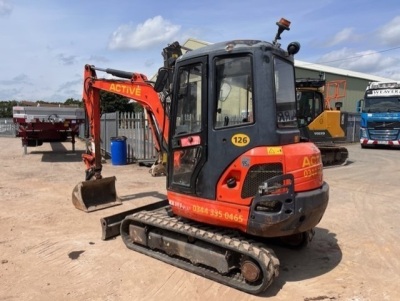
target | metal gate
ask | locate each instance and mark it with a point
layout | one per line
(140, 140)
(7, 127)
(133, 126)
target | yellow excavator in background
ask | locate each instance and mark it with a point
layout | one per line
(321, 123)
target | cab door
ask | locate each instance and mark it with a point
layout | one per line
(188, 131)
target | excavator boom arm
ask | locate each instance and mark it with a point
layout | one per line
(137, 88)
(101, 193)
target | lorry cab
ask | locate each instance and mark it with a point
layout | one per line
(380, 115)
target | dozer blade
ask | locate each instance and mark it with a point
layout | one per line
(94, 195)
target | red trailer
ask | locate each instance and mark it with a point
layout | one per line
(36, 125)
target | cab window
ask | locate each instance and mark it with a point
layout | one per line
(234, 90)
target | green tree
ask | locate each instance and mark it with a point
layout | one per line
(111, 102)
(6, 108)
(73, 102)
(42, 102)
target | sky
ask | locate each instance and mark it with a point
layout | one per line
(44, 44)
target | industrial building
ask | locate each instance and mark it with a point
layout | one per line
(355, 83)
(348, 86)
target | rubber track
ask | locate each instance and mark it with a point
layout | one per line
(227, 239)
(329, 152)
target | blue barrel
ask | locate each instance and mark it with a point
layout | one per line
(118, 150)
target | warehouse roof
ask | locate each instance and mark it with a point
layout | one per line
(194, 44)
(339, 71)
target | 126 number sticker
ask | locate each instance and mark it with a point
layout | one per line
(240, 140)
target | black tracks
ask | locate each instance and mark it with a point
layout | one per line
(229, 240)
(333, 155)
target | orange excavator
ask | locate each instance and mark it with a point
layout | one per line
(237, 172)
(98, 192)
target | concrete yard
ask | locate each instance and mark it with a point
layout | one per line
(51, 251)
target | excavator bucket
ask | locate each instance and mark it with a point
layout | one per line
(94, 195)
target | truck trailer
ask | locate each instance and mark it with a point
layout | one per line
(36, 125)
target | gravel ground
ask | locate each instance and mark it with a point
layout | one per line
(51, 251)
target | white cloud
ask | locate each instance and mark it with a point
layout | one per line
(390, 32)
(368, 61)
(346, 34)
(5, 7)
(152, 32)
(56, 34)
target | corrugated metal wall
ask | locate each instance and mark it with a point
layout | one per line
(135, 127)
(140, 140)
(355, 87)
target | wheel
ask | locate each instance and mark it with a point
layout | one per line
(250, 270)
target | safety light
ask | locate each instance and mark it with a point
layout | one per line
(283, 24)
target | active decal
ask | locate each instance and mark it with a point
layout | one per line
(312, 166)
(311, 160)
(134, 91)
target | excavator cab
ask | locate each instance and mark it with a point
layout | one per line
(309, 106)
(234, 133)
